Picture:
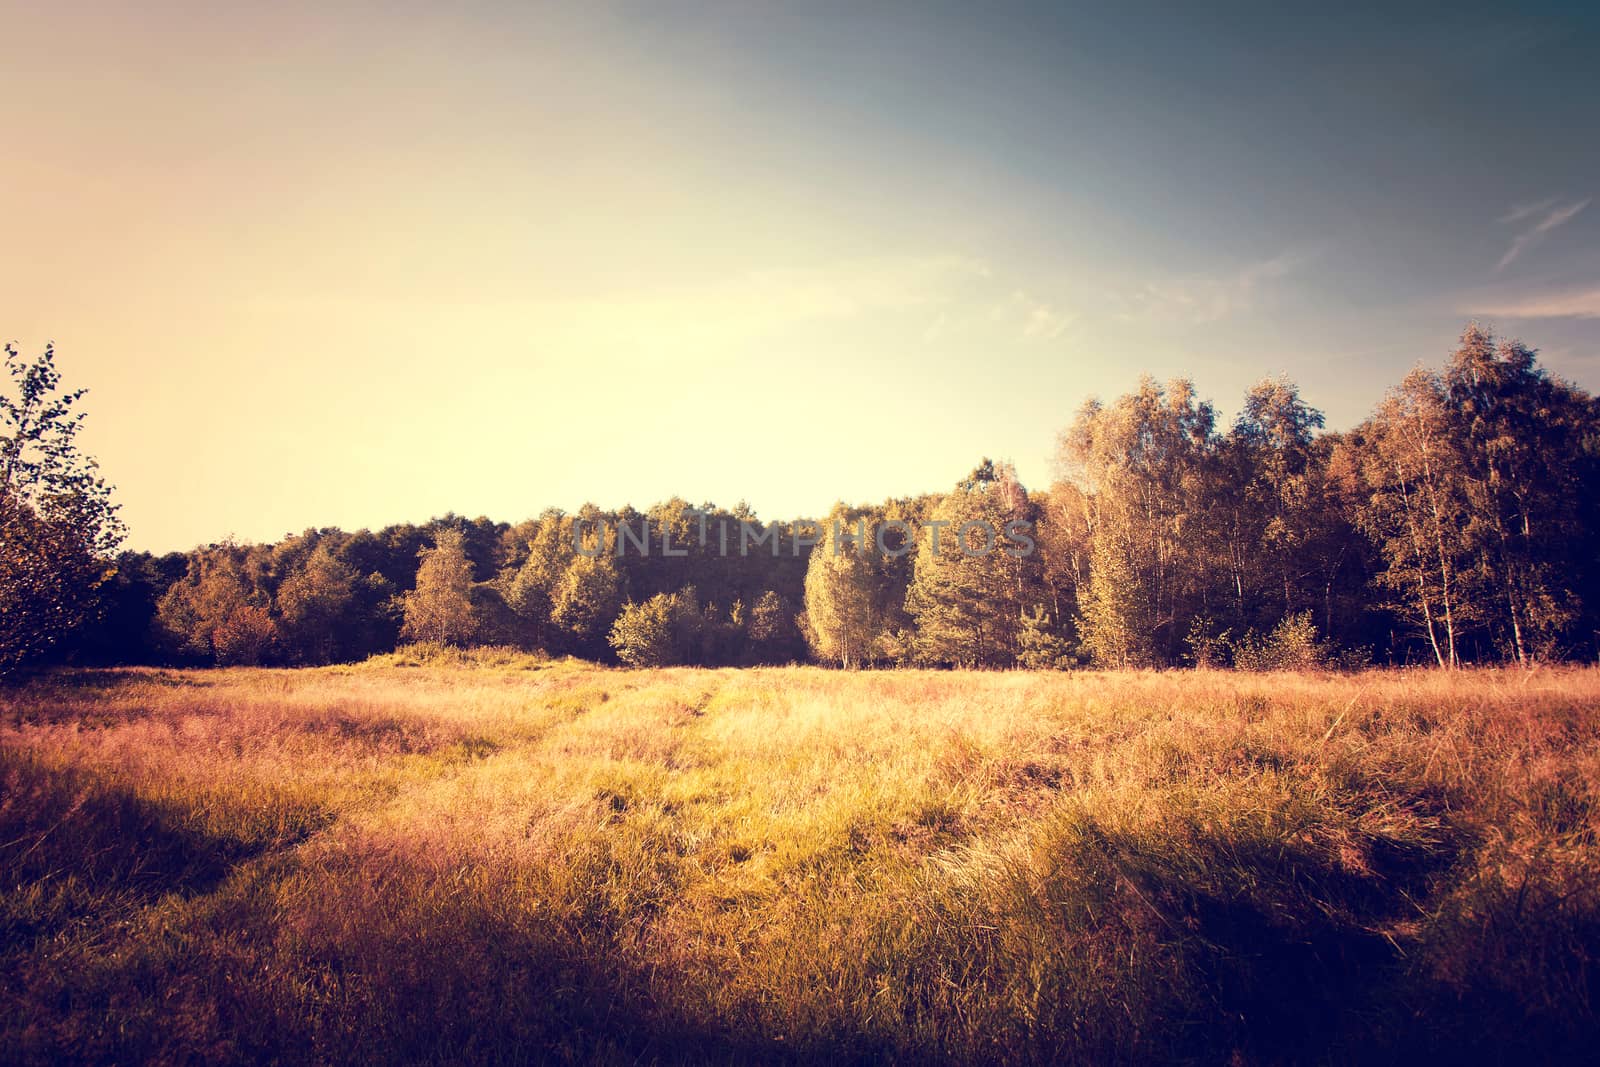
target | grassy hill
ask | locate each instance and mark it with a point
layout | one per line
(510, 860)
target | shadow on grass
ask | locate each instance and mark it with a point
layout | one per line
(1188, 940)
(75, 846)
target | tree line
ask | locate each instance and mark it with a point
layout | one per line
(1451, 526)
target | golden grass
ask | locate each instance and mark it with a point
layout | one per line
(505, 859)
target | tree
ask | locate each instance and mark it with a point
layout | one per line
(58, 526)
(1416, 508)
(642, 633)
(1065, 536)
(220, 609)
(662, 631)
(531, 590)
(1145, 466)
(246, 637)
(315, 603)
(1517, 430)
(125, 630)
(1116, 623)
(973, 580)
(586, 601)
(773, 636)
(1040, 646)
(439, 609)
(1275, 501)
(851, 603)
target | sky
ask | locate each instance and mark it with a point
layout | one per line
(348, 265)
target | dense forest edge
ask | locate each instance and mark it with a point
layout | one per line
(1452, 526)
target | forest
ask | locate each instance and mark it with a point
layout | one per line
(1449, 527)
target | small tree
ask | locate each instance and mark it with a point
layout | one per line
(667, 629)
(58, 527)
(1039, 646)
(642, 634)
(1293, 645)
(773, 636)
(246, 637)
(439, 609)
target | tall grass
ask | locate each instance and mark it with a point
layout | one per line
(523, 861)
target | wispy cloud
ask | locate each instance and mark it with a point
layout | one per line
(737, 308)
(994, 312)
(1569, 304)
(1209, 298)
(1032, 318)
(1519, 212)
(1548, 215)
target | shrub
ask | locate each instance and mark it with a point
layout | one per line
(1293, 645)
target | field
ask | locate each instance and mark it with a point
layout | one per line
(511, 860)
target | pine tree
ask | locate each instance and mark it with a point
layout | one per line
(970, 591)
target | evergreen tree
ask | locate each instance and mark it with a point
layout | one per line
(970, 591)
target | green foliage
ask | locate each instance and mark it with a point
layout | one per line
(58, 526)
(1293, 645)
(1039, 646)
(531, 589)
(1208, 648)
(663, 631)
(439, 609)
(586, 600)
(970, 592)
(772, 634)
(850, 601)
(1117, 627)
(316, 604)
(220, 609)
(1466, 502)
(1474, 483)
(1145, 467)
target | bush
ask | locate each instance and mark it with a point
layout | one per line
(1294, 645)
(1207, 650)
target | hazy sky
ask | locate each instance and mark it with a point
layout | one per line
(369, 266)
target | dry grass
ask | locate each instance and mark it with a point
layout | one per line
(513, 860)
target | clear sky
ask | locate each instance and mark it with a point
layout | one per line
(369, 265)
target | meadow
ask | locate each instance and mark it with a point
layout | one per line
(494, 858)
